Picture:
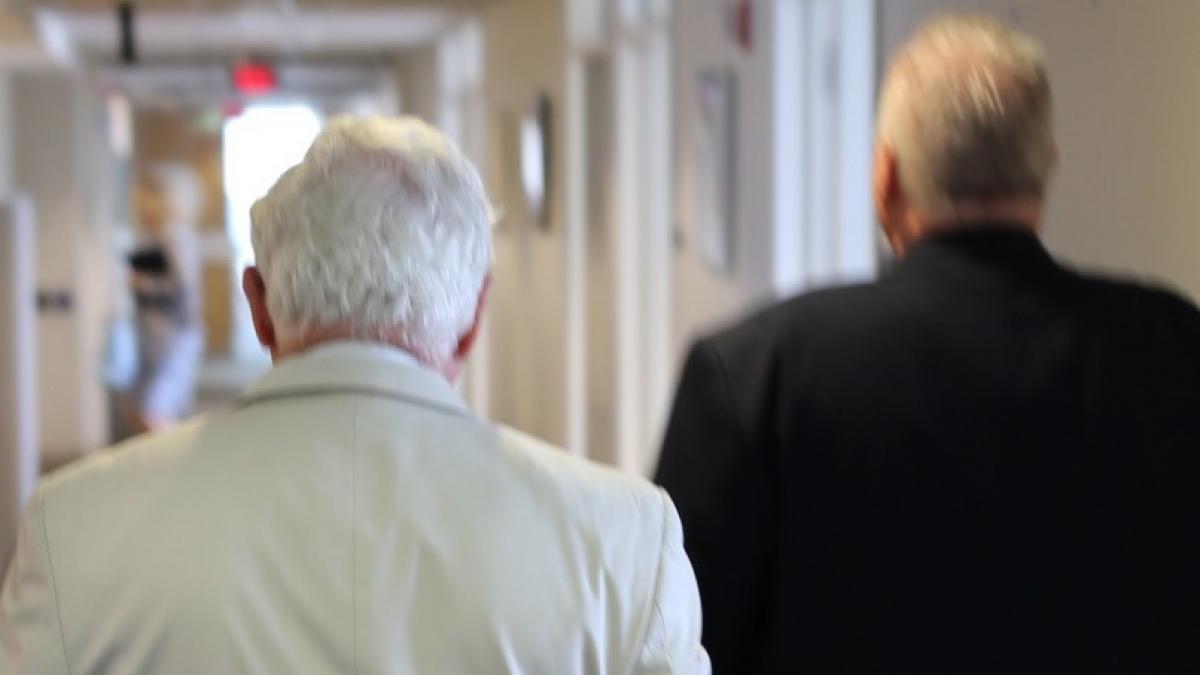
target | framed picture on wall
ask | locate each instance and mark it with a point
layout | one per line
(525, 163)
(715, 170)
(536, 159)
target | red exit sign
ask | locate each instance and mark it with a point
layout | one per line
(250, 77)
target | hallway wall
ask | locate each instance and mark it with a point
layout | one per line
(417, 71)
(704, 297)
(528, 340)
(6, 133)
(58, 162)
(525, 51)
(1124, 78)
(527, 336)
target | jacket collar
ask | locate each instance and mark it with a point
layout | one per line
(1000, 250)
(347, 367)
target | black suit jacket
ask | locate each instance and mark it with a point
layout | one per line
(983, 463)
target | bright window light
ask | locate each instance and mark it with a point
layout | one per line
(259, 146)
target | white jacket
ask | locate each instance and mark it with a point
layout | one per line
(349, 517)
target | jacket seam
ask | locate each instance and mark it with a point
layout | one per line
(62, 633)
(354, 535)
(658, 580)
(727, 391)
(745, 442)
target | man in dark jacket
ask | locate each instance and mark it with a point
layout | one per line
(985, 462)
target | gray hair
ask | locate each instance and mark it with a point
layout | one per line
(384, 226)
(967, 110)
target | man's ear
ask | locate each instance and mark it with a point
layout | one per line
(888, 196)
(467, 341)
(256, 294)
(885, 183)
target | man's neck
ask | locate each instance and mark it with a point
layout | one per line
(1017, 213)
(308, 339)
(916, 226)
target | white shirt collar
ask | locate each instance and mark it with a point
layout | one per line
(357, 367)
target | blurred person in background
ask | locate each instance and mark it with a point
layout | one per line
(351, 515)
(165, 280)
(984, 462)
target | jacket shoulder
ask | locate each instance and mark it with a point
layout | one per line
(1147, 295)
(632, 536)
(778, 323)
(107, 473)
(1142, 310)
(623, 515)
(753, 351)
(584, 487)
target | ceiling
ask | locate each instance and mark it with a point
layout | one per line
(174, 30)
(107, 6)
(185, 47)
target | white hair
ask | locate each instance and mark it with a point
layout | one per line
(967, 111)
(384, 226)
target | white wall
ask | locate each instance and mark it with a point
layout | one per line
(18, 378)
(6, 136)
(418, 85)
(58, 163)
(533, 387)
(18, 340)
(824, 107)
(525, 52)
(1126, 197)
(580, 325)
(702, 296)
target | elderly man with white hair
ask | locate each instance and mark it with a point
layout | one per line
(983, 463)
(351, 515)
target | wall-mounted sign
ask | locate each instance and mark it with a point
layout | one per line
(54, 301)
(252, 78)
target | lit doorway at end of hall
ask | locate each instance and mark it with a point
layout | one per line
(260, 144)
